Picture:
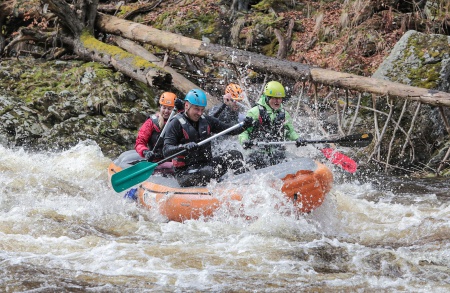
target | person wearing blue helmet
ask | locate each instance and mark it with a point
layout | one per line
(197, 166)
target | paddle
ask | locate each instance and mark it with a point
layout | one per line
(143, 170)
(164, 128)
(337, 158)
(174, 111)
(354, 140)
(340, 159)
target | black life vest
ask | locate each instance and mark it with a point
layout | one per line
(267, 130)
(190, 134)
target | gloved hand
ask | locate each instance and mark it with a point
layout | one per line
(190, 146)
(300, 142)
(148, 155)
(247, 144)
(179, 104)
(248, 122)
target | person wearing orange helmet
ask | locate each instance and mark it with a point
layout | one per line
(228, 112)
(148, 143)
(194, 163)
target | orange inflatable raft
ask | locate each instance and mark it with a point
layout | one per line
(305, 184)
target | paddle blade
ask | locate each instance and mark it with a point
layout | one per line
(132, 175)
(356, 140)
(340, 159)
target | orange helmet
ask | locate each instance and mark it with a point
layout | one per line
(235, 91)
(167, 99)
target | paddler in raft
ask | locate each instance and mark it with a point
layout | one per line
(148, 142)
(197, 166)
(230, 113)
(272, 123)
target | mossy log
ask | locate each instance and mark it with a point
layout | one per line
(131, 65)
(179, 81)
(80, 27)
(145, 34)
(294, 70)
(380, 87)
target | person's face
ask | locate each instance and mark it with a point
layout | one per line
(165, 111)
(275, 103)
(193, 112)
(234, 106)
(230, 102)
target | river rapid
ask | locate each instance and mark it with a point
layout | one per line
(63, 229)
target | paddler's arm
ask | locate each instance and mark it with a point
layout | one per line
(144, 134)
(171, 138)
(218, 126)
(291, 133)
(245, 136)
(216, 111)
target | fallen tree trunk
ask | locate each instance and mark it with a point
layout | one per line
(293, 70)
(86, 46)
(179, 81)
(380, 87)
(145, 34)
(131, 65)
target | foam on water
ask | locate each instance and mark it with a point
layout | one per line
(59, 217)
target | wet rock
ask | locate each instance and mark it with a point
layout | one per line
(421, 60)
(87, 105)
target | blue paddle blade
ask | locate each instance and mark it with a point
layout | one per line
(132, 175)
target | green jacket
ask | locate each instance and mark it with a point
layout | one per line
(288, 129)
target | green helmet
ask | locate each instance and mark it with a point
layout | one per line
(274, 89)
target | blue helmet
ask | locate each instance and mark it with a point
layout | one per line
(196, 97)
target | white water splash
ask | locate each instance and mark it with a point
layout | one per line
(63, 226)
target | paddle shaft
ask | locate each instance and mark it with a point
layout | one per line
(205, 141)
(356, 140)
(141, 171)
(164, 128)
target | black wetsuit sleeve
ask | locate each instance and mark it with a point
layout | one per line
(218, 126)
(172, 138)
(216, 112)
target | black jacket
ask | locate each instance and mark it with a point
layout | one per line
(181, 130)
(225, 114)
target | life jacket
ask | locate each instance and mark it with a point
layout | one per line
(268, 130)
(203, 154)
(154, 137)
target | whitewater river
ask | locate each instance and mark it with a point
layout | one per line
(63, 229)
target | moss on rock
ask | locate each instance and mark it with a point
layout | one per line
(56, 104)
(418, 60)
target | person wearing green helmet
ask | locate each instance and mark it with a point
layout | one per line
(197, 166)
(273, 124)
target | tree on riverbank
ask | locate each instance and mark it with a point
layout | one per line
(77, 33)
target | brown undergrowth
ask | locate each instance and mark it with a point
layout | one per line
(349, 36)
